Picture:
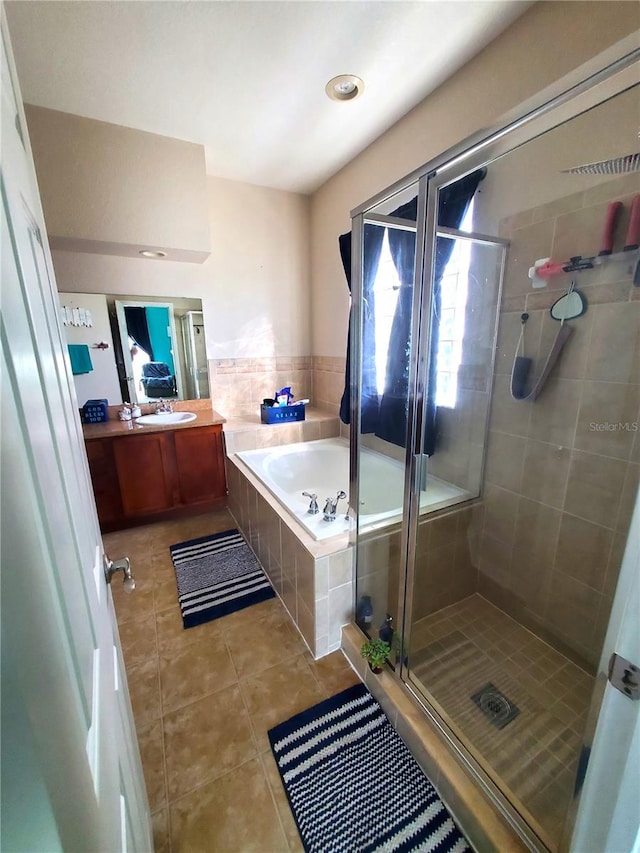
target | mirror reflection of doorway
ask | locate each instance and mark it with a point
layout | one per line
(148, 335)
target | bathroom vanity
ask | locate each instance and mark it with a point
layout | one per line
(142, 474)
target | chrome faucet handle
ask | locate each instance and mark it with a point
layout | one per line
(313, 506)
(331, 506)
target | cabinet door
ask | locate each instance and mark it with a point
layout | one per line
(200, 464)
(104, 479)
(146, 473)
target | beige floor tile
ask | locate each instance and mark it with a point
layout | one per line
(214, 818)
(282, 803)
(333, 672)
(278, 693)
(173, 635)
(137, 605)
(171, 532)
(160, 827)
(144, 689)
(263, 642)
(138, 641)
(152, 754)
(194, 671)
(271, 608)
(165, 593)
(205, 739)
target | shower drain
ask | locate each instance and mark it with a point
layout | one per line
(495, 705)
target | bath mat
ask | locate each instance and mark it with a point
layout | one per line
(354, 786)
(217, 575)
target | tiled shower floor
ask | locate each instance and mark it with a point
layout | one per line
(457, 651)
(203, 700)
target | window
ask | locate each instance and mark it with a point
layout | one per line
(452, 314)
(385, 288)
(453, 303)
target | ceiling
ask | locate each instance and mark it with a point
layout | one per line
(247, 79)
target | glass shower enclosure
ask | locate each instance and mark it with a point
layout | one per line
(511, 429)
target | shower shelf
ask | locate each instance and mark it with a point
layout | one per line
(579, 264)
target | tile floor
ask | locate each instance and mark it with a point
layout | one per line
(204, 699)
(461, 648)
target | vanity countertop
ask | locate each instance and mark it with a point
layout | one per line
(206, 416)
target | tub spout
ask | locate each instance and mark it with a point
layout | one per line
(331, 506)
(313, 506)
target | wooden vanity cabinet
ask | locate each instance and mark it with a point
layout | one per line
(158, 475)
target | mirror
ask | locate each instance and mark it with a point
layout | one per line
(141, 348)
(569, 306)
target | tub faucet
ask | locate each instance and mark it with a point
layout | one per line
(313, 506)
(331, 507)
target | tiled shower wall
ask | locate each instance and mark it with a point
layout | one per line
(562, 472)
(239, 385)
(328, 382)
(444, 568)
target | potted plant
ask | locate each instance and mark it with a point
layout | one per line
(376, 653)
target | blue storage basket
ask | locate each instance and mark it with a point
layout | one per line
(281, 414)
(95, 412)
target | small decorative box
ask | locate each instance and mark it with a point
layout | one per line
(281, 414)
(95, 412)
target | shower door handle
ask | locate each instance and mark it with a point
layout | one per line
(624, 676)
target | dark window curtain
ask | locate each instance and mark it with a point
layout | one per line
(372, 239)
(138, 328)
(392, 420)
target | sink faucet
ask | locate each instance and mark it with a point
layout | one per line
(164, 407)
(313, 506)
(331, 507)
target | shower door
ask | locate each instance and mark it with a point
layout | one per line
(495, 581)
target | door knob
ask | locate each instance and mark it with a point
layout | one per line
(123, 565)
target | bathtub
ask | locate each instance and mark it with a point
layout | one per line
(322, 468)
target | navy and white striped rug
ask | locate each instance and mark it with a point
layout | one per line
(217, 575)
(353, 785)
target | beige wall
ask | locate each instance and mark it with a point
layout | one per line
(102, 382)
(548, 41)
(254, 286)
(118, 190)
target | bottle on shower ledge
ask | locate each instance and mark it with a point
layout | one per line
(364, 613)
(386, 631)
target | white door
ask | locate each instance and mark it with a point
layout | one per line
(608, 818)
(71, 772)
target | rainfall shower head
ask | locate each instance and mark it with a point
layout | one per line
(616, 166)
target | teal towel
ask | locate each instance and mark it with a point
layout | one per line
(80, 359)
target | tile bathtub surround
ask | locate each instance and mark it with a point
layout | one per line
(562, 472)
(246, 432)
(212, 786)
(314, 579)
(239, 385)
(328, 382)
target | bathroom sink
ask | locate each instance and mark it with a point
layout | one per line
(166, 418)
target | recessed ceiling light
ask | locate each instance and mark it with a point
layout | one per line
(344, 87)
(147, 253)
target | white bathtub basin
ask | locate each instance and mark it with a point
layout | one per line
(322, 467)
(166, 418)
